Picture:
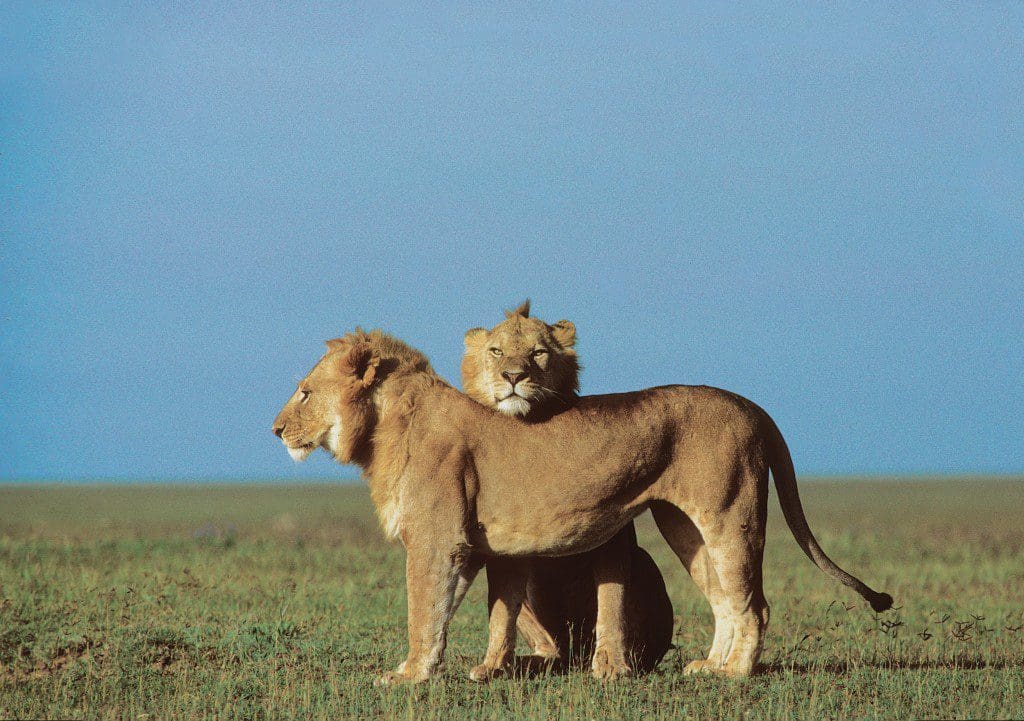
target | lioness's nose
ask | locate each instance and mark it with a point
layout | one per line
(278, 430)
(514, 377)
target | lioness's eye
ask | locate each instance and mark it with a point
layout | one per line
(496, 352)
(303, 396)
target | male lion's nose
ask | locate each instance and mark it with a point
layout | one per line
(514, 377)
(278, 430)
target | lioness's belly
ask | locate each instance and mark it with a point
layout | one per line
(532, 501)
(549, 534)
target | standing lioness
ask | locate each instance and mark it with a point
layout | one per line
(452, 480)
(528, 369)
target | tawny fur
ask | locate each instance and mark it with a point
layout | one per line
(470, 482)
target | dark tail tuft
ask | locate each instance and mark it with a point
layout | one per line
(881, 602)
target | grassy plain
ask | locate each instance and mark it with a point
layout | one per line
(284, 601)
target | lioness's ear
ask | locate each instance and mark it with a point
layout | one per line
(334, 344)
(565, 333)
(475, 338)
(523, 310)
(361, 361)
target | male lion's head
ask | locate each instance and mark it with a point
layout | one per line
(522, 366)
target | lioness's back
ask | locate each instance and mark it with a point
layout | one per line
(684, 402)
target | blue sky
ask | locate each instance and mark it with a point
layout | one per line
(821, 208)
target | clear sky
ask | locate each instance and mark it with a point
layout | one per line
(821, 208)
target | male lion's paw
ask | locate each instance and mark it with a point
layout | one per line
(606, 668)
(546, 651)
(484, 673)
(533, 664)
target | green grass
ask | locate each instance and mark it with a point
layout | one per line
(285, 602)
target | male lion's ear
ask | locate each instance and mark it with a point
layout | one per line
(334, 344)
(362, 362)
(565, 333)
(523, 310)
(475, 338)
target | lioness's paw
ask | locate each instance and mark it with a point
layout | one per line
(483, 673)
(702, 666)
(606, 668)
(391, 678)
(712, 668)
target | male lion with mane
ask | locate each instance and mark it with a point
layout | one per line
(456, 482)
(528, 369)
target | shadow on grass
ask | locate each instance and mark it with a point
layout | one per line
(528, 668)
(842, 667)
(532, 667)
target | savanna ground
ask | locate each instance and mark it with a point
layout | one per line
(284, 601)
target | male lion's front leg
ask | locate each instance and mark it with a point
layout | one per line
(611, 569)
(544, 645)
(506, 588)
(432, 575)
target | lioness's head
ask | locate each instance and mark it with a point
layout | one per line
(521, 366)
(333, 406)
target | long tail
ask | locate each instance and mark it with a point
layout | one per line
(781, 464)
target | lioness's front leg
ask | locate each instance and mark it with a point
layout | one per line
(432, 575)
(506, 588)
(611, 570)
(466, 576)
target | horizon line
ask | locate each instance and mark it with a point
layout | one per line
(356, 480)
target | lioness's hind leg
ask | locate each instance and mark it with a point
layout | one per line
(684, 538)
(737, 562)
(702, 571)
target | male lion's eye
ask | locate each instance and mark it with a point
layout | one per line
(539, 352)
(496, 352)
